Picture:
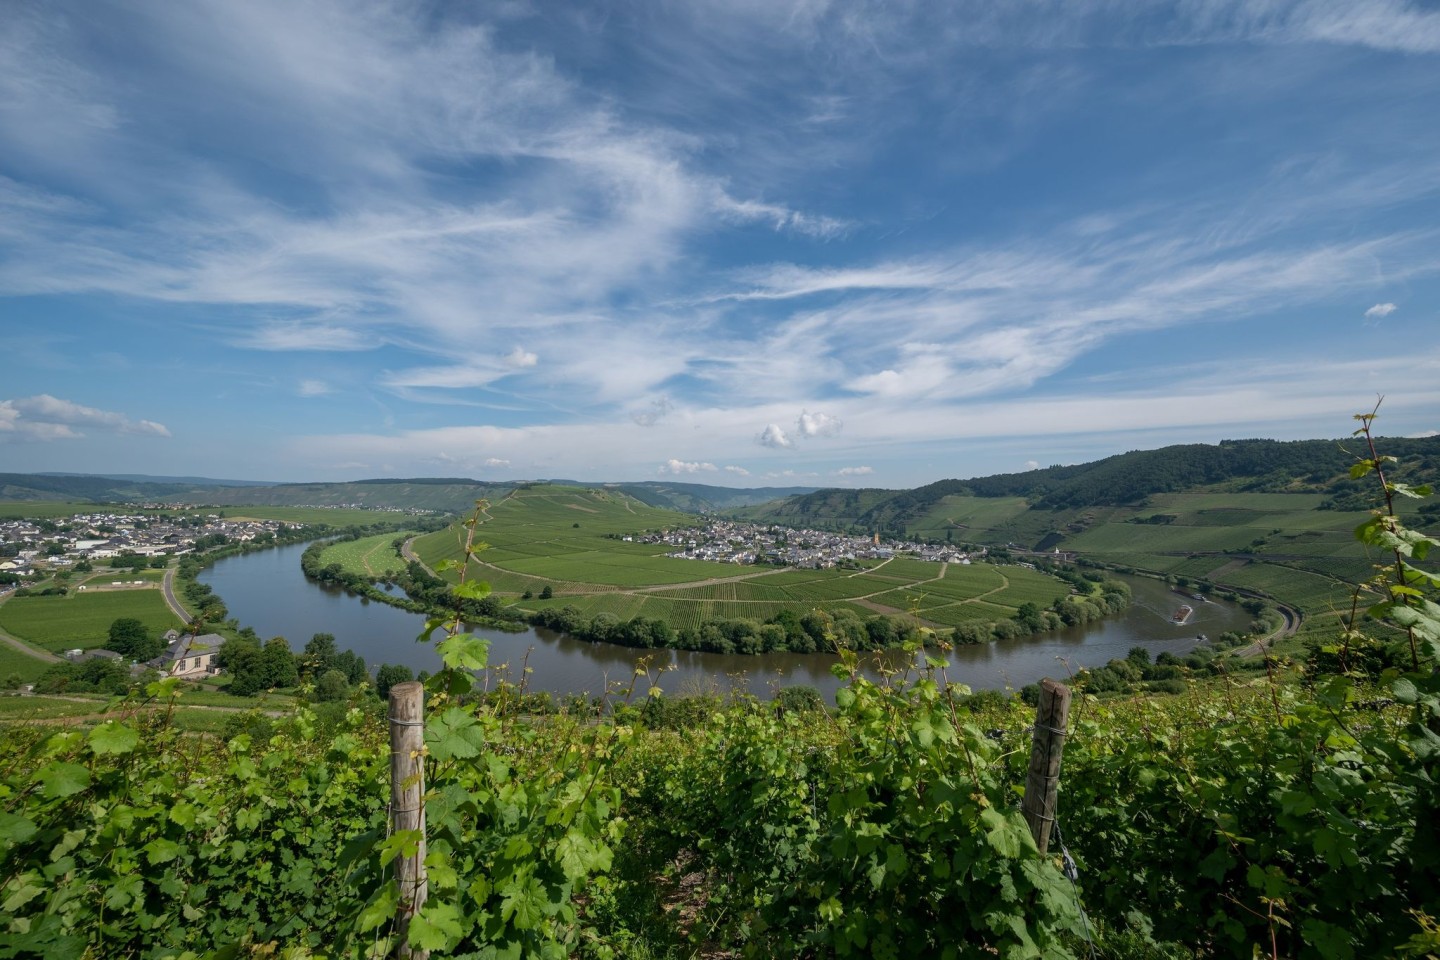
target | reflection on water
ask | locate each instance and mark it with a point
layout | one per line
(267, 591)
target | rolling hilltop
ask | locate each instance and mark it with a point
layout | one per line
(450, 494)
(1237, 466)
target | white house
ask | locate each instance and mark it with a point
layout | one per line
(190, 658)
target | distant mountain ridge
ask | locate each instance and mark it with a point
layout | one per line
(1256, 466)
(1294, 466)
(452, 494)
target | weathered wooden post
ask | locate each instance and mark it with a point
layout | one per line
(407, 808)
(1051, 716)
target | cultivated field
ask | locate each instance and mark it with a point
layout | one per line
(82, 620)
(535, 543)
(368, 556)
(15, 663)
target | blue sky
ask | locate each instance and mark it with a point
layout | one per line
(741, 242)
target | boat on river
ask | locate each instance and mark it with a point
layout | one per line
(1183, 614)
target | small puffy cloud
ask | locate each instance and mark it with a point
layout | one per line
(679, 467)
(773, 436)
(519, 358)
(496, 462)
(1380, 311)
(44, 417)
(818, 424)
(314, 388)
(1423, 434)
(854, 471)
(738, 471)
(1032, 464)
(789, 475)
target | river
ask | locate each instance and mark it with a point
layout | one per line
(267, 591)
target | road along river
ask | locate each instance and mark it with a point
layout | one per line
(266, 590)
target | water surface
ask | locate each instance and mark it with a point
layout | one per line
(267, 590)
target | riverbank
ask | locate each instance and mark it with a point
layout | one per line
(268, 591)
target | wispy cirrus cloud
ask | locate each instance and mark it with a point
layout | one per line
(736, 225)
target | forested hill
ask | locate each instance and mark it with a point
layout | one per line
(1256, 466)
(451, 494)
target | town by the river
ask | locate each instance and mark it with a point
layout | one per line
(267, 591)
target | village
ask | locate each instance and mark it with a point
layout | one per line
(733, 541)
(33, 546)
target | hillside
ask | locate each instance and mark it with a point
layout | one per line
(1240, 466)
(569, 540)
(1266, 516)
(451, 494)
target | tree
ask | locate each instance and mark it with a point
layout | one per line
(351, 665)
(390, 674)
(277, 664)
(320, 653)
(241, 658)
(547, 593)
(331, 686)
(130, 638)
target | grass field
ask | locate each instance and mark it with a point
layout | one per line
(82, 620)
(15, 663)
(369, 556)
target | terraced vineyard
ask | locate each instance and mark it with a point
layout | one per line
(568, 539)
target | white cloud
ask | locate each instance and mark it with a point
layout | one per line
(681, 466)
(773, 436)
(520, 357)
(1423, 434)
(306, 336)
(779, 217)
(1032, 464)
(854, 471)
(43, 417)
(496, 462)
(314, 388)
(818, 425)
(1380, 311)
(738, 471)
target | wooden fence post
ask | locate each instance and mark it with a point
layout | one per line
(407, 807)
(1051, 716)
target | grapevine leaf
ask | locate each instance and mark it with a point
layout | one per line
(464, 651)
(454, 733)
(472, 590)
(112, 737)
(435, 927)
(523, 902)
(1001, 833)
(15, 829)
(62, 779)
(380, 910)
(161, 850)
